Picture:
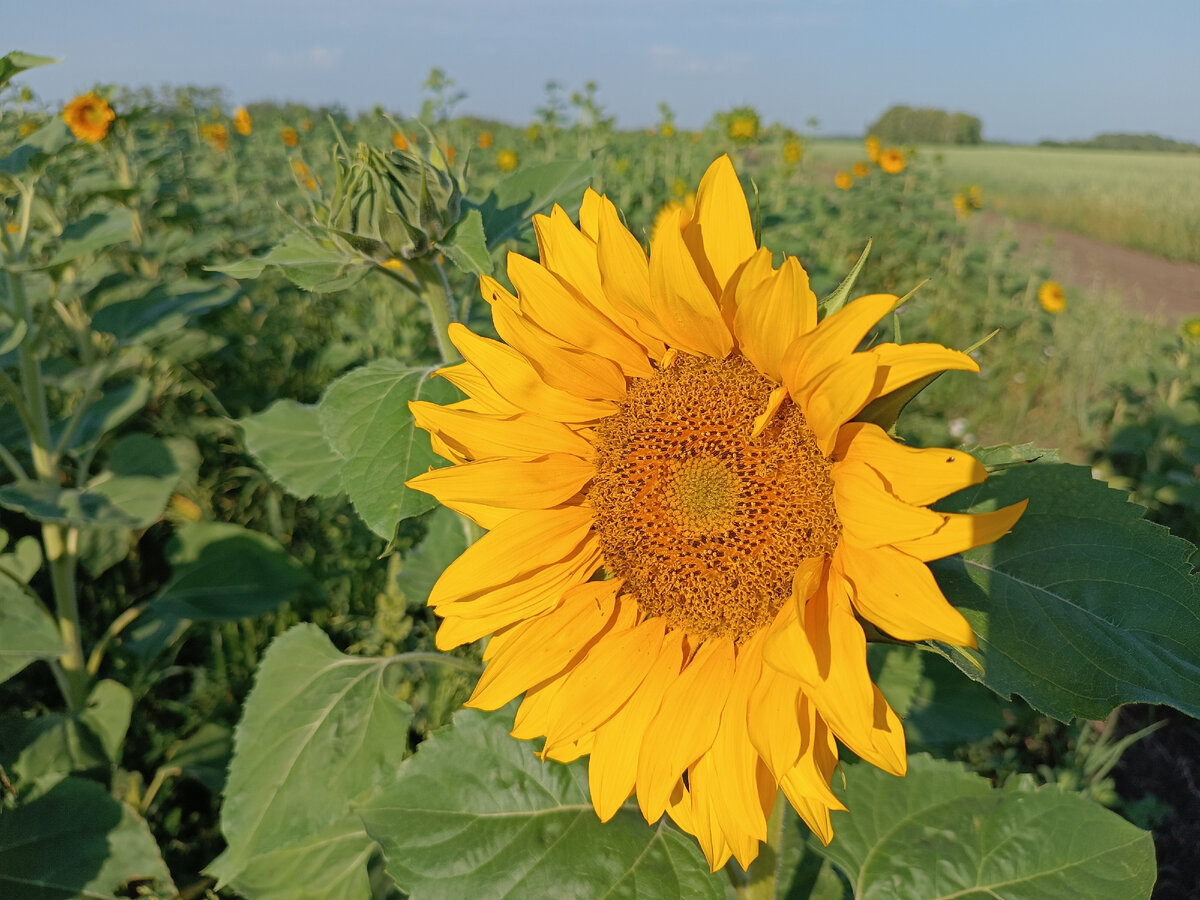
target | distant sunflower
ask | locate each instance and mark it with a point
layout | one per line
(289, 136)
(485, 140)
(793, 152)
(891, 161)
(860, 169)
(27, 128)
(1052, 297)
(843, 181)
(686, 521)
(88, 117)
(1191, 327)
(873, 147)
(507, 160)
(743, 128)
(242, 123)
(216, 134)
(399, 141)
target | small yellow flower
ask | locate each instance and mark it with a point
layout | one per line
(873, 148)
(88, 117)
(507, 160)
(399, 141)
(962, 206)
(1191, 327)
(310, 183)
(216, 134)
(12, 227)
(300, 168)
(485, 140)
(793, 152)
(27, 128)
(449, 152)
(241, 122)
(975, 196)
(289, 137)
(843, 181)
(743, 128)
(861, 170)
(396, 266)
(667, 130)
(891, 161)
(1052, 297)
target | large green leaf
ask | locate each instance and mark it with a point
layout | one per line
(943, 832)
(444, 541)
(91, 233)
(319, 732)
(1084, 606)
(508, 209)
(287, 440)
(476, 814)
(163, 308)
(27, 631)
(72, 840)
(466, 246)
(308, 263)
(222, 571)
(16, 62)
(366, 420)
(109, 410)
(36, 151)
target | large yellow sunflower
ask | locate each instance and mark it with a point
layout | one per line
(88, 116)
(685, 522)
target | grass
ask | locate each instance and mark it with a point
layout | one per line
(1144, 200)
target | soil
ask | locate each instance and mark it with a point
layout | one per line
(1157, 288)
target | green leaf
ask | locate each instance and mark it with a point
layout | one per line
(16, 62)
(943, 832)
(36, 151)
(837, 299)
(802, 872)
(476, 814)
(107, 714)
(14, 337)
(508, 209)
(138, 478)
(287, 441)
(73, 840)
(224, 572)
(24, 561)
(320, 731)
(27, 631)
(938, 706)
(445, 540)
(466, 246)
(204, 755)
(103, 546)
(51, 745)
(366, 420)
(112, 408)
(307, 263)
(163, 308)
(1084, 606)
(91, 233)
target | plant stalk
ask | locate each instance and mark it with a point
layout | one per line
(435, 292)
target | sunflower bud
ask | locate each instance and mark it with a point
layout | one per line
(393, 203)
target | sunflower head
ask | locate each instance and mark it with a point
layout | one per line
(89, 117)
(873, 147)
(507, 160)
(843, 181)
(690, 513)
(1052, 297)
(241, 122)
(892, 160)
(289, 136)
(793, 151)
(216, 134)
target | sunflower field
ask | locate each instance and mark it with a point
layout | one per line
(434, 507)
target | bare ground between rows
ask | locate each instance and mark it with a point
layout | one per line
(1154, 287)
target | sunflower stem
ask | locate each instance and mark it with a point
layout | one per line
(435, 292)
(758, 882)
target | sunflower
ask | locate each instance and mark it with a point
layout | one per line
(891, 161)
(216, 134)
(1052, 297)
(507, 160)
(1191, 327)
(793, 152)
(685, 519)
(843, 181)
(241, 122)
(399, 141)
(873, 147)
(289, 136)
(484, 140)
(88, 117)
(860, 169)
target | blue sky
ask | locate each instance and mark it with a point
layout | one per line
(1030, 69)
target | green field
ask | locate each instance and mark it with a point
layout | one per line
(1145, 200)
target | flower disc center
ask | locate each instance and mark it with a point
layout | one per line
(706, 524)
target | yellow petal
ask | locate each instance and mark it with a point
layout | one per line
(836, 396)
(917, 476)
(486, 517)
(612, 770)
(533, 713)
(902, 364)
(604, 680)
(514, 379)
(551, 304)
(468, 379)
(772, 718)
(567, 753)
(475, 436)
(836, 337)
(871, 515)
(545, 646)
(681, 301)
(962, 531)
(899, 594)
(577, 372)
(521, 545)
(770, 318)
(787, 647)
(720, 235)
(625, 276)
(704, 782)
(685, 724)
(537, 483)
(744, 281)
(589, 214)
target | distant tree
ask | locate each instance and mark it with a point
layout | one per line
(906, 125)
(1121, 141)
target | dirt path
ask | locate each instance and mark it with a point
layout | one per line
(1158, 288)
